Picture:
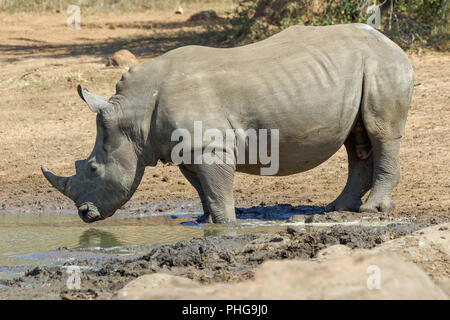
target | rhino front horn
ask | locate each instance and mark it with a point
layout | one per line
(95, 102)
(58, 182)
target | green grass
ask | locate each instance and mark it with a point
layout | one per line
(19, 6)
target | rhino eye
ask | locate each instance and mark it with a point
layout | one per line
(93, 168)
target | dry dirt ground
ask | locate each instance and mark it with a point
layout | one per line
(43, 121)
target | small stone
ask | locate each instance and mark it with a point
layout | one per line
(33, 272)
(179, 10)
(122, 58)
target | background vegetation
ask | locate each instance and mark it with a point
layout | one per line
(410, 23)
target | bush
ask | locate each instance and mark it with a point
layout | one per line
(410, 23)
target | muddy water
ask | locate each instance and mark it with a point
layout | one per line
(40, 239)
(45, 239)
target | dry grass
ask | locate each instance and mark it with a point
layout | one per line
(96, 6)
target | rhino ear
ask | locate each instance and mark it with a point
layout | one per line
(95, 102)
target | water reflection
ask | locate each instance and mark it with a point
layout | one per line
(98, 238)
(211, 230)
(34, 239)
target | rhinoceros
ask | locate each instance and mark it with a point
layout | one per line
(320, 87)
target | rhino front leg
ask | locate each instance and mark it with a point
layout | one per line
(191, 176)
(217, 185)
(359, 179)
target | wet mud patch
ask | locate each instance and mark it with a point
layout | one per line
(277, 212)
(222, 258)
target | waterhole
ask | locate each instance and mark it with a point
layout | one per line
(54, 238)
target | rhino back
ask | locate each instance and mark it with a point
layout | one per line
(304, 81)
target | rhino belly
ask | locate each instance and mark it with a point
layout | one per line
(312, 126)
(301, 153)
(313, 120)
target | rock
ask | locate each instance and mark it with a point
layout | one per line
(333, 252)
(429, 248)
(122, 58)
(444, 284)
(204, 16)
(179, 10)
(360, 276)
(151, 283)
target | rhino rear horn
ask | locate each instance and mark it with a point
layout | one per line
(95, 102)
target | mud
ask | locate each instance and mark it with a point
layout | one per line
(223, 258)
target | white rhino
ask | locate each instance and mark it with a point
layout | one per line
(321, 87)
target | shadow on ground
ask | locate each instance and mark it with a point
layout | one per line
(277, 212)
(140, 45)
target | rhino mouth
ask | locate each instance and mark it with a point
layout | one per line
(89, 213)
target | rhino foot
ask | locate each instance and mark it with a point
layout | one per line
(205, 218)
(374, 206)
(344, 205)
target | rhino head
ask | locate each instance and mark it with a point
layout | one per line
(110, 175)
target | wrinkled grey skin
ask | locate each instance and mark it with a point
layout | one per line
(311, 83)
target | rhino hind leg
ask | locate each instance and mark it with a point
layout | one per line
(359, 179)
(384, 110)
(386, 175)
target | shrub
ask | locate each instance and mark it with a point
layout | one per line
(410, 23)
